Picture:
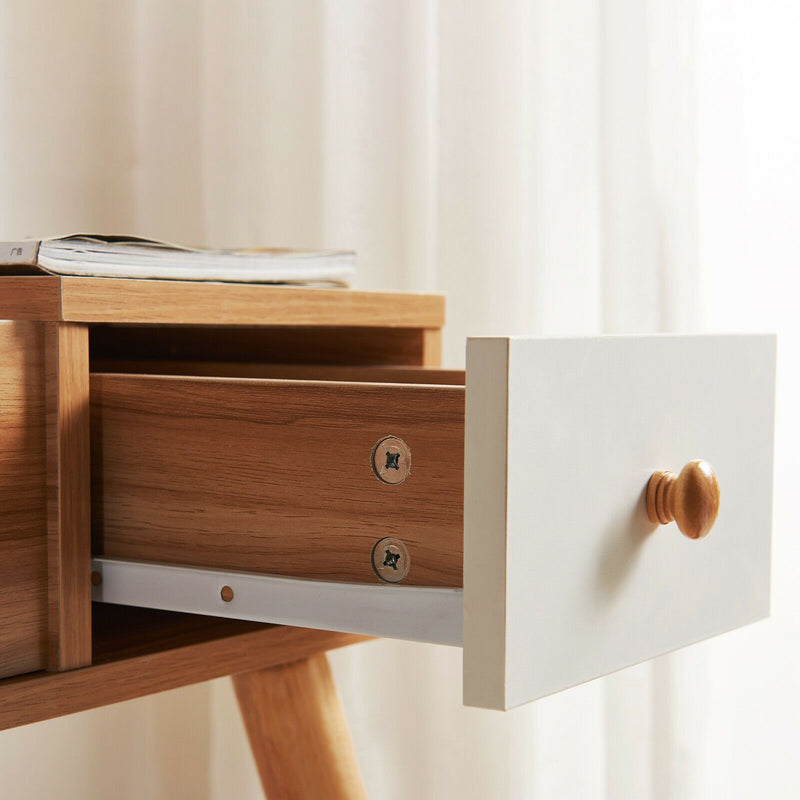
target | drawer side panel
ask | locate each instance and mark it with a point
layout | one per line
(275, 476)
(23, 508)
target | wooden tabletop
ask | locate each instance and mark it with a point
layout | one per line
(104, 300)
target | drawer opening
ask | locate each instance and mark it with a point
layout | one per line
(433, 376)
(258, 352)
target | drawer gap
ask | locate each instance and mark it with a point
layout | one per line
(432, 376)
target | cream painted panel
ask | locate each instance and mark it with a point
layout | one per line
(565, 579)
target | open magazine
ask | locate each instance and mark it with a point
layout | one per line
(131, 257)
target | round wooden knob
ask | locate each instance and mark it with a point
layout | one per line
(691, 498)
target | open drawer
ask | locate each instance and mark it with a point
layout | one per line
(357, 501)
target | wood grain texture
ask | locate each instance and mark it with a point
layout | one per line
(260, 345)
(68, 502)
(432, 347)
(201, 303)
(275, 476)
(23, 513)
(301, 372)
(85, 299)
(140, 652)
(29, 297)
(691, 498)
(298, 732)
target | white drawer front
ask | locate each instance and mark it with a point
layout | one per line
(565, 578)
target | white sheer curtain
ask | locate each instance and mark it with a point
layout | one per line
(534, 160)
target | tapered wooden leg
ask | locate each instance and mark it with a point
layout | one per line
(298, 732)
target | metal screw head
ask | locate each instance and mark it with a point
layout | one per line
(390, 560)
(391, 460)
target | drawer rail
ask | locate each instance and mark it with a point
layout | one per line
(418, 613)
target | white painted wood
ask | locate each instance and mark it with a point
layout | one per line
(422, 614)
(588, 584)
(485, 507)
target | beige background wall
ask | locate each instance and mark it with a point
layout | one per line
(558, 166)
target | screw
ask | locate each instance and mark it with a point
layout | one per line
(391, 460)
(390, 560)
(226, 593)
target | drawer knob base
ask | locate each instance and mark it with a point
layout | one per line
(691, 498)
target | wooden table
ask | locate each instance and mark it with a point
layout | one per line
(59, 653)
(224, 441)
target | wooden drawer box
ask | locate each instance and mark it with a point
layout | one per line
(565, 577)
(512, 495)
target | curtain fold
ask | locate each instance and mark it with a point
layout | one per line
(535, 161)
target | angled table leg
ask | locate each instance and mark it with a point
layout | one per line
(298, 732)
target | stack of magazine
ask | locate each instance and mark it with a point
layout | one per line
(130, 257)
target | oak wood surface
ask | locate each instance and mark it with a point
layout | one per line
(432, 347)
(691, 498)
(275, 476)
(85, 299)
(297, 344)
(30, 297)
(141, 651)
(68, 503)
(298, 732)
(23, 511)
